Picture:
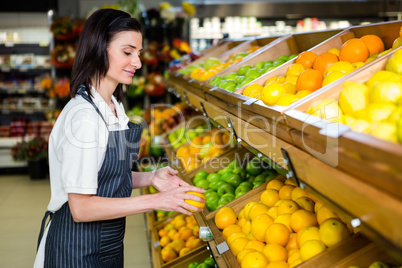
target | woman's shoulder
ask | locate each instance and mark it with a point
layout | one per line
(79, 109)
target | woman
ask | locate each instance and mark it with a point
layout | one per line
(91, 149)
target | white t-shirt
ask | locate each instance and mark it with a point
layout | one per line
(77, 147)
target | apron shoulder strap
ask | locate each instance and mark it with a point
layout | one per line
(82, 91)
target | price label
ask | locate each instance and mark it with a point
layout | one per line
(222, 248)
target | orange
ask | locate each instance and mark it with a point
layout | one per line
(310, 80)
(196, 141)
(168, 254)
(292, 244)
(275, 252)
(278, 264)
(243, 253)
(295, 263)
(305, 203)
(259, 226)
(286, 192)
(269, 197)
(374, 43)
(162, 232)
(309, 233)
(298, 192)
(195, 203)
(354, 50)
(177, 245)
(275, 184)
(246, 228)
(287, 206)
(311, 248)
(324, 60)
(301, 219)
(234, 236)
(317, 206)
(254, 259)
(292, 257)
(257, 210)
(184, 251)
(273, 212)
(284, 219)
(247, 208)
(185, 234)
(183, 151)
(332, 231)
(238, 245)
(164, 241)
(195, 243)
(225, 217)
(306, 59)
(206, 139)
(324, 213)
(255, 244)
(277, 233)
(231, 229)
(241, 221)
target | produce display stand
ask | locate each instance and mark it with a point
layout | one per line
(356, 175)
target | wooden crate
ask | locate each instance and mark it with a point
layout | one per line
(375, 161)
(325, 259)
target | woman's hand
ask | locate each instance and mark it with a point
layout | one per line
(173, 200)
(165, 179)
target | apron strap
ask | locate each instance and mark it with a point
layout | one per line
(42, 227)
(81, 91)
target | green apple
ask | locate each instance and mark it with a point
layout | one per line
(246, 81)
(193, 265)
(251, 179)
(237, 170)
(226, 198)
(197, 179)
(285, 58)
(204, 184)
(378, 264)
(259, 178)
(268, 64)
(210, 261)
(231, 88)
(254, 167)
(234, 180)
(216, 80)
(291, 57)
(243, 174)
(257, 183)
(240, 54)
(209, 192)
(211, 62)
(259, 65)
(252, 73)
(244, 187)
(278, 62)
(226, 188)
(212, 202)
(228, 83)
(233, 164)
(242, 70)
(224, 170)
(216, 184)
(239, 79)
(205, 150)
(213, 177)
(226, 175)
(230, 76)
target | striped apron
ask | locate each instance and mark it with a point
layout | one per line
(100, 243)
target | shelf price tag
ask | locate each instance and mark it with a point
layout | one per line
(222, 248)
(250, 101)
(157, 244)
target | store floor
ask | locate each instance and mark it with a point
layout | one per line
(22, 204)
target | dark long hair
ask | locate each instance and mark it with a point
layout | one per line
(91, 58)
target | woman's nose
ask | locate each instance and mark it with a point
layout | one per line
(136, 62)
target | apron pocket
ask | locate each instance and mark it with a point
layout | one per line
(112, 235)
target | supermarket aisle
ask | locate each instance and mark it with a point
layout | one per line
(22, 205)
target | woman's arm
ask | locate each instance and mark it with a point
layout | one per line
(86, 208)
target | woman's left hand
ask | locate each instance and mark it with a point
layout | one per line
(165, 179)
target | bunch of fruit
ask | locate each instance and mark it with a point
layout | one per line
(179, 237)
(377, 264)
(213, 65)
(183, 135)
(373, 107)
(310, 71)
(207, 263)
(246, 74)
(203, 148)
(285, 228)
(232, 181)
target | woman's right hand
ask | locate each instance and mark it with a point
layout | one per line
(173, 200)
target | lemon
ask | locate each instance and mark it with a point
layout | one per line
(271, 93)
(340, 66)
(385, 52)
(353, 99)
(295, 69)
(331, 77)
(384, 131)
(334, 50)
(286, 99)
(394, 63)
(251, 88)
(327, 109)
(379, 111)
(360, 125)
(303, 93)
(394, 117)
(386, 91)
(332, 231)
(289, 88)
(371, 58)
(291, 79)
(348, 119)
(195, 203)
(383, 76)
(358, 64)
(311, 248)
(397, 43)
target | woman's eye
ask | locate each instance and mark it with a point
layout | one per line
(127, 53)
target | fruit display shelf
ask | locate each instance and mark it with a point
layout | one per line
(360, 154)
(244, 106)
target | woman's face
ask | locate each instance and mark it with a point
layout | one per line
(124, 57)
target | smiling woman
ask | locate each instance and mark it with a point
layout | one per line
(91, 149)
